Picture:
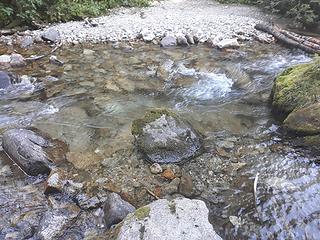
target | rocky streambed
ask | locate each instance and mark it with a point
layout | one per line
(117, 127)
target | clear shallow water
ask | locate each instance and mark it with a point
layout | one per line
(223, 94)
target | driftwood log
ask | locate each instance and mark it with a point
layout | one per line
(308, 44)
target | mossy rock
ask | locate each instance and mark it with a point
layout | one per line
(149, 117)
(296, 87)
(164, 137)
(142, 212)
(304, 121)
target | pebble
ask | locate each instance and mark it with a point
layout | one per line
(168, 174)
(156, 168)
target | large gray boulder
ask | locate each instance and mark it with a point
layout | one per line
(32, 151)
(181, 218)
(164, 137)
(5, 80)
(168, 41)
(116, 209)
(51, 35)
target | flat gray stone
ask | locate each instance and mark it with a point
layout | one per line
(181, 219)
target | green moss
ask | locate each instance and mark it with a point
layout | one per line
(142, 213)
(296, 87)
(150, 116)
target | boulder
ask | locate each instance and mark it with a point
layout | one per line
(56, 221)
(116, 209)
(228, 43)
(304, 121)
(26, 41)
(182, 41)
(164, 137)
(51, 35)
(34, 152)
(17, 60)
(180, 218)
(168, 41)
(5, 60)
(190, 39)
(296, 87)
(5, 80)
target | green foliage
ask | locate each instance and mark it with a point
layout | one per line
(26, 11)
(305, 12)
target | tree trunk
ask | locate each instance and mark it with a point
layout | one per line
(308, 44)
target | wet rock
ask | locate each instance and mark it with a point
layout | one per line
(228, 43)
(304, 121)
(5, 80)
(56, 181)
(54, 60)
(168, 174)
(171, 188)
(166, 220)
(26, 41)
(57, 220)
(51, 35)
(32, 151)
(88, 52)
(168, 41)
(296, 87)
(238, 75)
(164, 70)
(5, 60)
(186, 185)
(156, 168)
(116, 209)
(86, 202)
(164, 137)
(17, 60)
(182, 41)
(190, 39)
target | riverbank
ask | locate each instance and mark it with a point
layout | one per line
(204, 19)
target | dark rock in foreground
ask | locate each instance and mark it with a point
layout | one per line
(166, 138)
(32, 151)
(5, 80)
(116, 209)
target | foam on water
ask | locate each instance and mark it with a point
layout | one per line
(210, 86)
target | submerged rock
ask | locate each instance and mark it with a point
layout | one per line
(166, 138)
(180, 218)
(116, 209)
(32, 151)
(296, 87)
(305, 121)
